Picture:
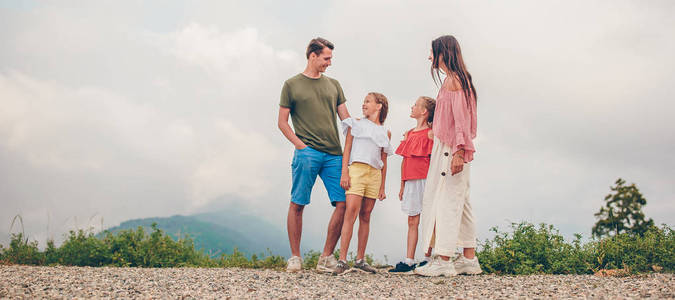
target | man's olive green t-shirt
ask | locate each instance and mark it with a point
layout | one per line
(313, 103)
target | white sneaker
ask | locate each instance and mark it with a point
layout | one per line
(467, 266)
(326, 264)
(427, 261)
(294, 264)
(437, 267)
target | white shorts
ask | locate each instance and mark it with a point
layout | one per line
(413, 192)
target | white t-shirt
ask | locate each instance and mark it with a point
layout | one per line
(369, 141)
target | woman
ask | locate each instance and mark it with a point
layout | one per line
(447, 218)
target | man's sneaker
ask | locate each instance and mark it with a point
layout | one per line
(437, 267)
(326, 264)
(294, 264)
(403, 268)
(341, 267)
(363, 266)
(467, 266)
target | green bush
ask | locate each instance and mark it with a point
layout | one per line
(528, 249)
(137, 249)
(238, 259)
(51, 253)
(128, 248)
(636, 253)
(524, 249)
(83, 249)
(22, 252)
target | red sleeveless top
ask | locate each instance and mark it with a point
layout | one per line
(416, 152)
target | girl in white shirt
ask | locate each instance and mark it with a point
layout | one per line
(364, 169)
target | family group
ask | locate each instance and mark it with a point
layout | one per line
(435, 169)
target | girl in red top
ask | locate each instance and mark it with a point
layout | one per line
(416, 149)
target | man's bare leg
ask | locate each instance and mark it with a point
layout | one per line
(334, 229)
(294, 226)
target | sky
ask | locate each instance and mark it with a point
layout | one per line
(115, 110)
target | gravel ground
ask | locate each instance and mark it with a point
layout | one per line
(25, 282)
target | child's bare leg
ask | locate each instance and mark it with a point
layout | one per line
(413, 222)
(351, 212)
(364, 226)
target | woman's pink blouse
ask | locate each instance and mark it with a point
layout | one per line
(455, 121)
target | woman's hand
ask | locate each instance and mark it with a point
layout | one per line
(344, 181)
(381, 195)
(457, 163)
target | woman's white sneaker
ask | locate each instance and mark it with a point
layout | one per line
(294, 264)
(437, 267)
(467, 266)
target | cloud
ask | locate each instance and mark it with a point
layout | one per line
(238, 54)
(233, 166)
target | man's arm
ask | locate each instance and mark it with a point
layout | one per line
(286, 129)
(342, 111)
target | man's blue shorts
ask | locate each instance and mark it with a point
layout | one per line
(307, 164)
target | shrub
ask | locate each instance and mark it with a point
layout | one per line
(137, 249)
(528, 249)
(634, 252)
(524, 249)
(22, 252)
(83, 249)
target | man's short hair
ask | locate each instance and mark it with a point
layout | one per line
(316, 45)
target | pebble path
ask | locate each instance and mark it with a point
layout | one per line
(27, 282)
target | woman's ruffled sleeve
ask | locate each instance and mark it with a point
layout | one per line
(464, 123)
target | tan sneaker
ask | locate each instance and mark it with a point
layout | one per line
(326, 264)
(363, 266)
(341, 268)
(467, 266)
(437, 267)
(294, 264)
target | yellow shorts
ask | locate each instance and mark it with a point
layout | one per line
(364, 180)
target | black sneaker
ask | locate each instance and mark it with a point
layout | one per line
(403, 268)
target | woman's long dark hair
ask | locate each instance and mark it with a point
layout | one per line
(447, 48)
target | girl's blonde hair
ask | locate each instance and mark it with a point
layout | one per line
(381, 99)
(430, 105)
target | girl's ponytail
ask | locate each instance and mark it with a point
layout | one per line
(430, 105)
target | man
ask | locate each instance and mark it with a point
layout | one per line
(312, 100)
